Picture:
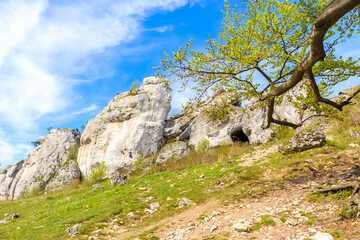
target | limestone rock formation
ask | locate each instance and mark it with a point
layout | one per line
(8, 179)
(303, 140)
(221, 119)
(252, 123)
(65, 175)
(174, 151)
(44, 164)
(130, 126)
(215, 120)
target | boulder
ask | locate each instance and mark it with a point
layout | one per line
(74, 229)
(118, 179)
(303, 140)
(176, 124)
(242, 227)
(322, 236)
(354, 134)
(253, 120)
(96, 186)
(10, 218)
(131, 126)
(173, 151)
(184, 202)
(42, 167)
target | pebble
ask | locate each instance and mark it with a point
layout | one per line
(213, 228)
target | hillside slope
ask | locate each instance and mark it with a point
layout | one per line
(240, 192)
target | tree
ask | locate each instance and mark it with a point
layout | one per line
(285, 42)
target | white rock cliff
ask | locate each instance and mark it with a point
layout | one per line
(40, 168)
(129, 127)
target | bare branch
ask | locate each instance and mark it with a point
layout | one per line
(319, 98)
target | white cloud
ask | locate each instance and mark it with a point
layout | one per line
(9, 151)
(46, 44)
(89, 109)
(162, 29)
(17, 18)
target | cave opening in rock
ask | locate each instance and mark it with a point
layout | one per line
(239, 136)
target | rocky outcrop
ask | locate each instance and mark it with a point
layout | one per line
(303, 140)
(9, 175)
(129, 127)
(215, 120)
(68, 173)
(252, 123)
(42, 168)
(221, 119)
(173, 151)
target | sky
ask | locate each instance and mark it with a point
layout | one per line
(62, 61)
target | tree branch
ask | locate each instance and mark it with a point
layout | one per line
(319, 98)
(265, 76)
(329, 16)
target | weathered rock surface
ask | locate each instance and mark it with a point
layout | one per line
(174, 151)
(10, 218)
(252, 123)
(44, 165)
(303, 140)
(66, 174)
(8, 179)
(74, 229)
(354, 134)
(214, 120)
(118, 179)
(322, 236)
(130, 126)
(184, 202)
(96, 186)
(222, 120)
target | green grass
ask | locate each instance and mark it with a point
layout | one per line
(265, 220)
(311, 217)
(61, 210)
(47, 216)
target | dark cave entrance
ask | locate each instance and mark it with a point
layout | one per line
(239, 136)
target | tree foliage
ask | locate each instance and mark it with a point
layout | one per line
(284, 42)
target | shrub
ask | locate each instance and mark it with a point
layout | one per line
(36, 143)
(348, 212)
(35, 191)
(96, 175)
(134, 88)
(203, 146)
(139, 159)
(283, 133)
(72, 151)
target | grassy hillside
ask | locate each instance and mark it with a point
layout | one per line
(228, 174)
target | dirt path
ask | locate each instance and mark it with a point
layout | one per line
(259, 155)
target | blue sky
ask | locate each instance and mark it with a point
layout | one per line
(61, 62)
